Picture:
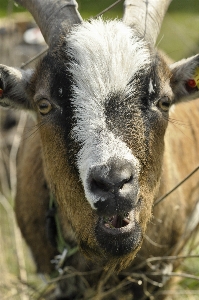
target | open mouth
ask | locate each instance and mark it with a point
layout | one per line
(118, 234)
(117, 221)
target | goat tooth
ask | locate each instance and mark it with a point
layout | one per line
(107, 225)
(126, 220)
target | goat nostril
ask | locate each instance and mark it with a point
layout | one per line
(113, 188)
(97, 185)
(116, 178)
(100, 185)
(125, 181)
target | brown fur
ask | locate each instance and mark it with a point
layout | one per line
(32, 201)
(169, 217)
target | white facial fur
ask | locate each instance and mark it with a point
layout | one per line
(107, 55)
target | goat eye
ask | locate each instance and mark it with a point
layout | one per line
(164, 104)
(44, 106)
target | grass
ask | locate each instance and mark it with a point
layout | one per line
(179, 35)
(18, 279)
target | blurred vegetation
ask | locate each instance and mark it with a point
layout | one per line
(91, 7)
(179, 35)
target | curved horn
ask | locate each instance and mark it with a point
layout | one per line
(53, 16)
(146, 16)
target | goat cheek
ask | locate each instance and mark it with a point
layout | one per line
(69, 193)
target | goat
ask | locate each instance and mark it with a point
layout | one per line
(106, 147)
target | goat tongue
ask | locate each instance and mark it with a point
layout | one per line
(116, 221)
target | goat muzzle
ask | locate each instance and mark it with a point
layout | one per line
(114, 189)
(119, 235)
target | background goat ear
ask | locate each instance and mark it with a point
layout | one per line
(185, 78)
(13, 87)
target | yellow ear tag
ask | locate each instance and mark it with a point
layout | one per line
(194, 82)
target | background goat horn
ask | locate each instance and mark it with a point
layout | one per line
(53, 16)
(146, 16)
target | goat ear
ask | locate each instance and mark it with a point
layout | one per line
(185, 78)
(13, 87)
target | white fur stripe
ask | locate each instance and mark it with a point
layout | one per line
(107, 56)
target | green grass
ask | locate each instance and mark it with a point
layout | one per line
(8, 6)
(179, 36)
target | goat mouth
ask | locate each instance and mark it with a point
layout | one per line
(116, 221)
(118, 234)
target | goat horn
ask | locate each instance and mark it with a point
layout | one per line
(146, 16)
(53, 16)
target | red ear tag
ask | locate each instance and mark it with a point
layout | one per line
(191, 83)
(194, 81)
(1, 93)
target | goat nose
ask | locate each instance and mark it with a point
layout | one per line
(109, 183)
(113, 186)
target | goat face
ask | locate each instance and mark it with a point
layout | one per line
(102, 99)
(104, 103)
(118, 127)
